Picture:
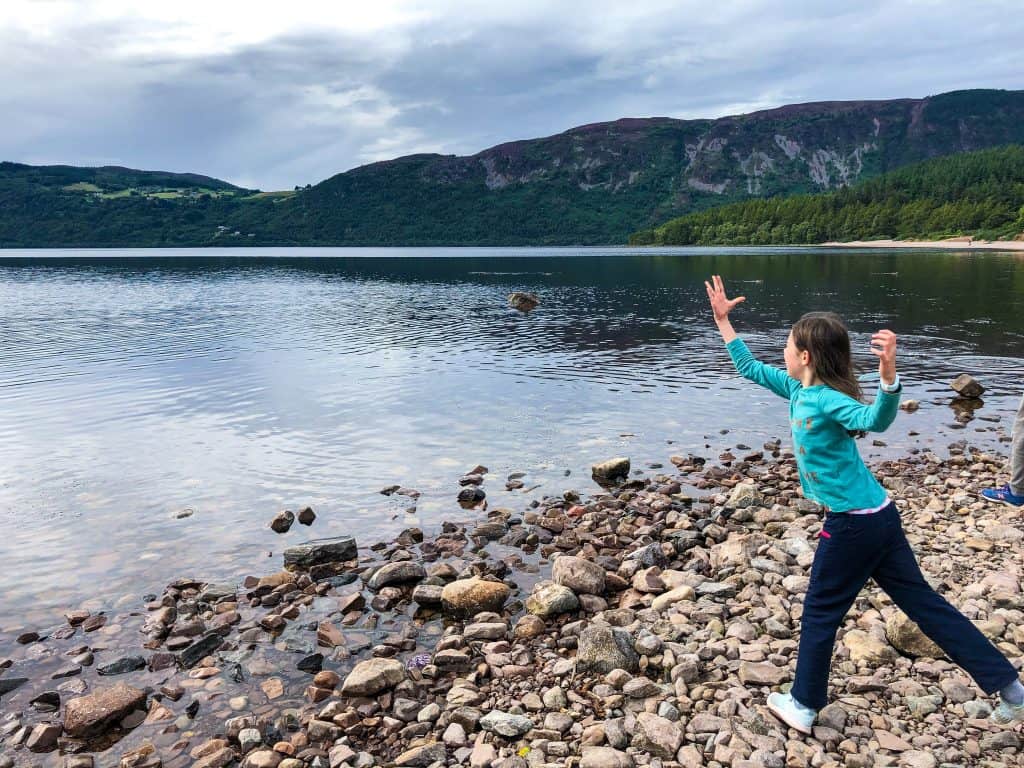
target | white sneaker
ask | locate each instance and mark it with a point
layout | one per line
(791, 712)
(1006, 713)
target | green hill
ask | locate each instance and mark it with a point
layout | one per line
(977, 193)
(594, 184)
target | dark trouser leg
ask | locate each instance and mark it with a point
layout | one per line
(1017, 453)
(899, 575)
(841, 567)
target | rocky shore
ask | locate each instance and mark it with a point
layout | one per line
(644, 625)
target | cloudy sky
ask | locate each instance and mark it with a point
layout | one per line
(274, 94)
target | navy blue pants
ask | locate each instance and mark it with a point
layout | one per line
(853, 549)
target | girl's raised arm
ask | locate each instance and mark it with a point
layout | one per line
(749, 367)
(721, 306)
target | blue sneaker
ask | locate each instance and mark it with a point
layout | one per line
(792, 712)
(1004, 495)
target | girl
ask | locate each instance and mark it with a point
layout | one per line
(862, 537)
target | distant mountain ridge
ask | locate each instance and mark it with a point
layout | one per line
(593, 184)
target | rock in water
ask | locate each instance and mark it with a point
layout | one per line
(967, 386)
(282, 521)
(199, 650)
(401, 572)
(306, 516)
(611, 470)
(523, 301)
(372, 676)
(8, 684)
(320, 551)
(468, 597)
(93, 714)
(471, 495)
(602, 648)
(122, 666)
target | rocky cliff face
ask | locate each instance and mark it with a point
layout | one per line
(588, 181)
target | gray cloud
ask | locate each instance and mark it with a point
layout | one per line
(308, 103)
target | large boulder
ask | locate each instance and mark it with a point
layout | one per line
(611, 470)
(908, 638)
(602, 648)
(468, 597)
(551, 599)
(93, 714)
(579, 574)
(868, 649)
(657, 735)
(372, 676)
(320, 551)
(966, 385)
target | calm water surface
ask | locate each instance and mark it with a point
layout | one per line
(136, 384)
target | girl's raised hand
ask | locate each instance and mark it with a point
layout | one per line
(721, 304)
(883, 346)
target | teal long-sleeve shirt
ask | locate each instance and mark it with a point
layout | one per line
(831, 469)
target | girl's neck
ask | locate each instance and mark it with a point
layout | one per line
(809, 378)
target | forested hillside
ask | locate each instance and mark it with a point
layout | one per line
(977, 193)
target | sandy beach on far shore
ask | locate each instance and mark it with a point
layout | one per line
(953, 243)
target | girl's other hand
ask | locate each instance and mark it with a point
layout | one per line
(883, 346)
(721, 305)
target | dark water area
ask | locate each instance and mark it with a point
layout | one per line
(138, 384)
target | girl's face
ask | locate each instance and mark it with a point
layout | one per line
(797, 361)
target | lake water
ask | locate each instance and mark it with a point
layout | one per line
(137, 384)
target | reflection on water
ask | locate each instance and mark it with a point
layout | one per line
(133, 386)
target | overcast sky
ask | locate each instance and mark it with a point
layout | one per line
(274, 94)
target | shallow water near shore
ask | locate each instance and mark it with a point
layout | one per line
(135, 385)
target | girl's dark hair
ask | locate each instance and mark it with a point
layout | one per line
(824, 336)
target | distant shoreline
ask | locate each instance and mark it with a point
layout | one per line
(953, 243)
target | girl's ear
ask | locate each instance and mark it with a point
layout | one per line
(805, 358)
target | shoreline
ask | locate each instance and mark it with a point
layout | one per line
(642, 625)
(953, 243)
